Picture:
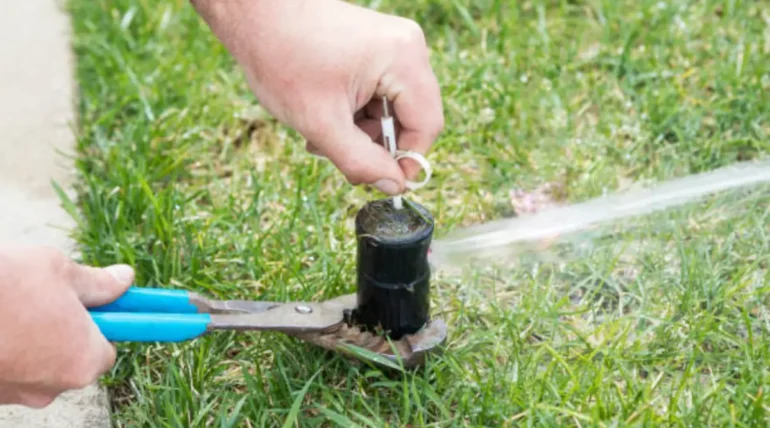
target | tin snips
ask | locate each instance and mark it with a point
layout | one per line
(169, 315)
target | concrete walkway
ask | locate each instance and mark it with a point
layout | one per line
(36, 115)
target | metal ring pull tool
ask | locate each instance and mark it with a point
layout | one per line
(389, 138)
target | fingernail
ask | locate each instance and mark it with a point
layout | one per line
(122, 273)
(387, 186)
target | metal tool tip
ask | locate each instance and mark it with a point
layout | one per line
(385, 112)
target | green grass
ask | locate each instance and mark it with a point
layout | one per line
(184, 177)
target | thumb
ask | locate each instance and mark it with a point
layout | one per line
(99, 286)
(362, 160)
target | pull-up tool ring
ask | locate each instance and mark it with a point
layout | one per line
(389, 139)
(420, 159)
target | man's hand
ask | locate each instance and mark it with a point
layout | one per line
(322, 66)
(48, 342)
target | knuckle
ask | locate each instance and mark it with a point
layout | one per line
(413, 31)
(58, 262)
(79, 376)
(81, 370)
(437, 124)
(319, 130)
(431, 129)
(411, 37)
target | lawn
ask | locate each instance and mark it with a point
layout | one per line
(182, 175)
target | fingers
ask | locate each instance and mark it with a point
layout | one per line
(83, 363)
(89, 354)
(371, 127)
(82, 356)
(374, 109)
(105, 354)
(50, 340)
(365, 119)
(313, 149)
(99, 286)
(36, 400)
(11, 394)
(31, 399)
(359, 159)
(415, 93)
(420, 115)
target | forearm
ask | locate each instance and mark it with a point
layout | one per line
(322, 66)
(246, 26)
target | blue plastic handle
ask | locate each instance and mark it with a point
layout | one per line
(150, 327)
(150, 315)
(146, 299)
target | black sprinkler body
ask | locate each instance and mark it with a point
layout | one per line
(392, 267)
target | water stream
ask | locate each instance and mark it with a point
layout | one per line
(496, 240)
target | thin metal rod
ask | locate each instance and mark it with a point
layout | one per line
(385, 112)
(389, 138)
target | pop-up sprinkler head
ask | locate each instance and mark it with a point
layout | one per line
(389, 314)
(393, 274)
(392, 267)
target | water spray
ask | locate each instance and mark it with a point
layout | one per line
(512, 237)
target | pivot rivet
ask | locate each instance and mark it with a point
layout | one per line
(303, 309)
